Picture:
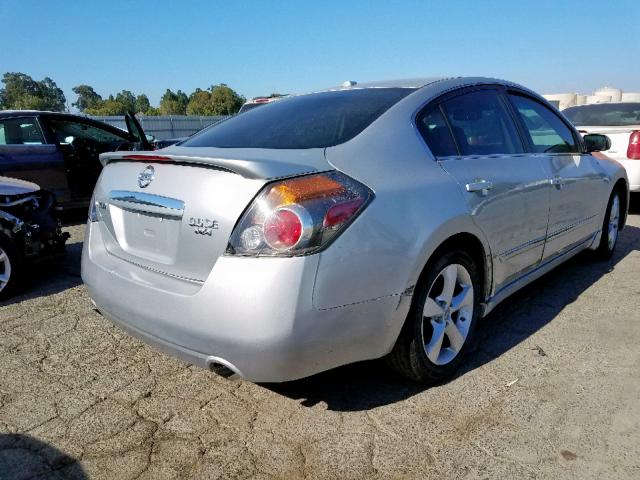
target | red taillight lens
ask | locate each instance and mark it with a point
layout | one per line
(299, 215)
(633, 150)
(341, 212)
(147, 158)
(282, 230)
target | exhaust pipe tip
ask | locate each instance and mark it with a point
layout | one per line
(224, 369)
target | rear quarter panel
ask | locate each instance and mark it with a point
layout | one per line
(417, 206)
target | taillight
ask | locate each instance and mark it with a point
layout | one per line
(298, 216)
(147, 158)
(633, 150)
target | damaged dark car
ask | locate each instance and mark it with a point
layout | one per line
(59, 151)
(29, 231)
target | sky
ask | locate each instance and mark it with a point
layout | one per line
(260, 47)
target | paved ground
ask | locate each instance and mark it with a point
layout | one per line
(553, 392)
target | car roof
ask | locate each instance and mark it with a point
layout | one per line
(445, 82)
(22, 113)
(397, 83)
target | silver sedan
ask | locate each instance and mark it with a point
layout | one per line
(349, 224)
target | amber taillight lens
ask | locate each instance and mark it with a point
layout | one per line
(299, 216)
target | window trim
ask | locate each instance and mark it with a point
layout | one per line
(456, 92)
(36, 122)
(53, 139)
(577, 138)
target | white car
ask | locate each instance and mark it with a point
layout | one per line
(259, 101)
(621, 123)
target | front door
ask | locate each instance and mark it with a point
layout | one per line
(81, 143)
(577, 180)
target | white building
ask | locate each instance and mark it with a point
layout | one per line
(601, 95)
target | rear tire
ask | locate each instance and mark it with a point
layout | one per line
(610, 227)
(10, 267)
(441, 323)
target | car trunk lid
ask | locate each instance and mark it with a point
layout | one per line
(174, 213)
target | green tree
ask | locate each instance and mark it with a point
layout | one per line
(110, 106)
(23, 92)
(127, 100)
(199, 103)
(87, 97)
(174, 103)
(224, 100)
(142, 104)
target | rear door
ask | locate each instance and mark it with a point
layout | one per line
(25, 154)
(579, 183)
(474, 137)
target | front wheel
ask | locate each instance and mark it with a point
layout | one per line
(10, 262)
(442, 320)
(610, 228)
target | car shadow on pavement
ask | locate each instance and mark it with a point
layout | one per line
(366, 385)
(50, 276)
(22, 457)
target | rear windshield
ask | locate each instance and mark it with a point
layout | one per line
(316, 120)
(605, 114)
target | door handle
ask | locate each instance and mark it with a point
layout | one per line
(482, 186)
(557, 182)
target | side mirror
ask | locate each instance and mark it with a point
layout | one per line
(150, 138)
(596, 142)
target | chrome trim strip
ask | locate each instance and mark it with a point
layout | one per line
(550, 236)
(506, 290)
(563, 230)
(530, 243)
(146, 202)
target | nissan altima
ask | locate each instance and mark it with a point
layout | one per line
(365, 221)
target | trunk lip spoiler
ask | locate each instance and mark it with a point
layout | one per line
(250, 169)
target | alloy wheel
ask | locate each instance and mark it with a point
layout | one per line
(447, 314)
(5, 269)
(614, 222)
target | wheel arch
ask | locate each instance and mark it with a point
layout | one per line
(622, 187)
(474, 245)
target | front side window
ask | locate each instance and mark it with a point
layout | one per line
(481, 124)
(20, 131)
(67, 132)
(548, 133)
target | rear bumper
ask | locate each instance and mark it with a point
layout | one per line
(254, 316)
(633, 173)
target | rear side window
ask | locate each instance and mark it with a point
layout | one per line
(481, 124)
(316, 120)
(548, 133)
(20, 131)
(436, 133)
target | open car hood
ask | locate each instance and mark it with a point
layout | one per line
(13, 186)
